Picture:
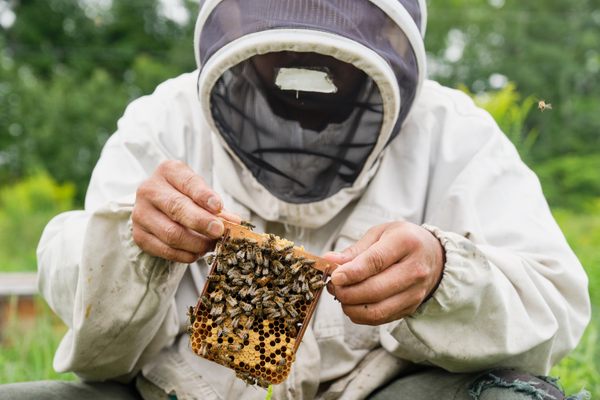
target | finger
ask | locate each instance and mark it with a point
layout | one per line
(153, 246)
(382, 254)
(388, 310)
(186, 181)
(183, 210)
(171, 233)
(366, 241)
(394, 280)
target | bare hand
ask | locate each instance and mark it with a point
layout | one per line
(388, 273)
(175, 214)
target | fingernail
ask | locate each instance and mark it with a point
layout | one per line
(214, 203)
(339, 278)
(216, 228)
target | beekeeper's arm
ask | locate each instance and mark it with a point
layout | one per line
(511, 294)
(118, 301)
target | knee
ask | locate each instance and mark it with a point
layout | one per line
(506, 384)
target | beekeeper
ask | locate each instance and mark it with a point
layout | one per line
(314, 120)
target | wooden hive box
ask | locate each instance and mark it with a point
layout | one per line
(257, 302)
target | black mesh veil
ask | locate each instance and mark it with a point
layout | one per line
(295, 163)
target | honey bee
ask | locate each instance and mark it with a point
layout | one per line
(281, 365)
(249, 322)
(242, 335)
(235, 322)
(295, 268)
(235, 347)
(214, 278)
(234, 311)
(258, 258)
(191, 315)
(231, 301)
(262, 383)
(264, 280)
(216, 310)
(543, 106)
(203, 350)
(317, 285)
(220, 319)
(217, 296)
(210, 259)
(246, 307)
(205, 302)
(247, 225)
(223, 331)
(291, 310)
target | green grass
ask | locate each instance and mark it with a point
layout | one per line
(27, 347)
(26, 352)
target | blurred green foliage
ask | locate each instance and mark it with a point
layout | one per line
(68, 69)
(25, 209)
(27, 346)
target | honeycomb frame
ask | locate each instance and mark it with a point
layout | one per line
(258, 299)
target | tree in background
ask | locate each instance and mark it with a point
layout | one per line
(549, 48)
(68, 68)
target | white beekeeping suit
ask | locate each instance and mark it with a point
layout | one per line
(512, 295)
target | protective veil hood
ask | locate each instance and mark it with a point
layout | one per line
(279, 167)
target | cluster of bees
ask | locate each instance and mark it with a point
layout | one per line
(257, 301)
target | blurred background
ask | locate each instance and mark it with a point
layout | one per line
(68, 68)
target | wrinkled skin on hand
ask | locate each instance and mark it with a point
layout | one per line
(388, 273)
(175, 214)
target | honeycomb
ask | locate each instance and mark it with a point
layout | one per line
(257, 302)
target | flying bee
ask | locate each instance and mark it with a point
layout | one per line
(247, 225)
(543, 106)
